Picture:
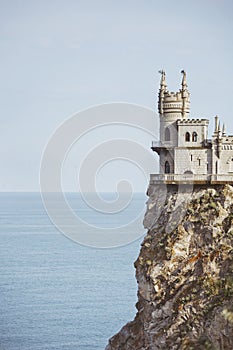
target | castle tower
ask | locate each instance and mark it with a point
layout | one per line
(172, 106)
(186, 154)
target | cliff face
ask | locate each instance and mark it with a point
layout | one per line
(184, 273)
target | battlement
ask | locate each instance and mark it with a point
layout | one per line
(172, 96)
(171, 102)
(192, 121)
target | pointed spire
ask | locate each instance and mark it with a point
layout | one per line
(216, 124)
(185, 96)
(163, 89)
(184, 81)
(223, 130)
(219, 131)
(163, 84)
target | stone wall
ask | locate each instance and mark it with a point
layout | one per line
(194, 160)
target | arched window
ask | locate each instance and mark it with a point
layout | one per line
(167, 134)
(167, 167)
(194, 138)
(187, 137)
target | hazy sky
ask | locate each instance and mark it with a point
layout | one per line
(58, 57)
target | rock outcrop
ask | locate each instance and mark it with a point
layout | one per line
(184, 273)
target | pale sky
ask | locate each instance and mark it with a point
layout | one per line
(59, 57)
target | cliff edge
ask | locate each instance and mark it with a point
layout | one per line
(184, 272)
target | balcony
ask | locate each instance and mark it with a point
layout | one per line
(156, 145)
(171, 179)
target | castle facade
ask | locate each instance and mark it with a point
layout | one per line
(185, 152)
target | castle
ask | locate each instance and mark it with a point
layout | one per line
(185, 152)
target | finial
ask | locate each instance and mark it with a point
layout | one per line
(219, 127)
(184, 82)
(162, 72)
(163, 79)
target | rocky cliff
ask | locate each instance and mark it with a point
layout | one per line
(184, 273)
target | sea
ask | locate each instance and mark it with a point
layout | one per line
(56, 293)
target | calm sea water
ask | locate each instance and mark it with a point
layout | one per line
(56, 294)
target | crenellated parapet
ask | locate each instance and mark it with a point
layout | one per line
(193, 122)
(177, 103)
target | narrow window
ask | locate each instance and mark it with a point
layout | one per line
(167, 167)
(187, 137)
(231, 165)
(199, 161)
(167, 134)
(191, 157)
(194, 137)
(216, 167)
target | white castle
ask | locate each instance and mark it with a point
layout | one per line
(185, 152)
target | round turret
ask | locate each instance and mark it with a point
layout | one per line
(174, 105)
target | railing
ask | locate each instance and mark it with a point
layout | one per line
(161, 144)
(221, 178)
(191, 178)
(156, 144)
(205, 143)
